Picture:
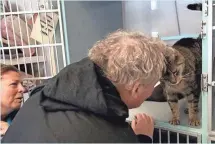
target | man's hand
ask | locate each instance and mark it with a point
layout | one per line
(143, 125)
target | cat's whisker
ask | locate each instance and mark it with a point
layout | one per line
(185, 76)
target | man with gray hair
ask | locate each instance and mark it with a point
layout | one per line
(88, 101)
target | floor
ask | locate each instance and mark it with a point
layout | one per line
(160, 111)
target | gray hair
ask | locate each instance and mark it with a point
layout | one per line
(126, 57)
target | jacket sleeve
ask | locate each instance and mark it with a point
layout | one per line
(144, 139)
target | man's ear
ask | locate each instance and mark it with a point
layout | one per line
(135, 88)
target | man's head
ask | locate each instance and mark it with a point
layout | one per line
(132, 61)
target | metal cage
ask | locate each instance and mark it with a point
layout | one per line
(166, 133)
(205, 134)
(32, 38)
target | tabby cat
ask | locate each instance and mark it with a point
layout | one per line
(182, 78)
(157, 94)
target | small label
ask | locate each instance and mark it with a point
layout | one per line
(155, 34)
(153, 4)
(44, 27)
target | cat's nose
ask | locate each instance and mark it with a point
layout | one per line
(173, 81)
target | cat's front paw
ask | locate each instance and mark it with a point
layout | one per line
(186, 111)
(174, 121)
(194, 122)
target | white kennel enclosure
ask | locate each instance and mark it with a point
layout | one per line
(171, 20)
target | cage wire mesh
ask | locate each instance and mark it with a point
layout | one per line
(211, 139)
(32, 38)
(166, 135)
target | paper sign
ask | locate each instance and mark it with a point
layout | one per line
(44, 27)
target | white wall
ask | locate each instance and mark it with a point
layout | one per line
(171, 18)
(88, 22)
(137, 15)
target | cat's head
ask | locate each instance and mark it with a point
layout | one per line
(195, 6)
(175, 64)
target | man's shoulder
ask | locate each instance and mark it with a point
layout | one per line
(81, 126)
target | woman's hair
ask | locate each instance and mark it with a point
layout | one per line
(126, 57)
(6, 68)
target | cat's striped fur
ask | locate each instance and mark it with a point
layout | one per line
(182, 78)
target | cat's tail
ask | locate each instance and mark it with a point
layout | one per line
(195, 6)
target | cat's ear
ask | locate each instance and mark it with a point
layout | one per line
(169, 55)
(199, 37)
(195, 6)
(179, 59)
(172, 56)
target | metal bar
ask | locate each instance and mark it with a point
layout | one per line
(179, 37)
(199, 139)
(37, 53)
(6, 26)
(178, 138)
(1, 43)
(188, 141)
(65, 32)
(3, 57)
(56, 51)
(61, 33)
(28, 12)
(168, 136)
(38, 78)
(50, 48)
(206, 53)
(14, 35)
(160, 136)
(25, 60)
(29, 42)
(176, 10)
(31, 46)
(210, 63)
(183, 130)
(43, 47)
(20, 31)
(178, 128)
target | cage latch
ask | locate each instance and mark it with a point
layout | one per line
(203, 33)
(213, 83)
(206, 10)
(204, 82)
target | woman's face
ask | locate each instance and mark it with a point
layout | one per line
(11, 91)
